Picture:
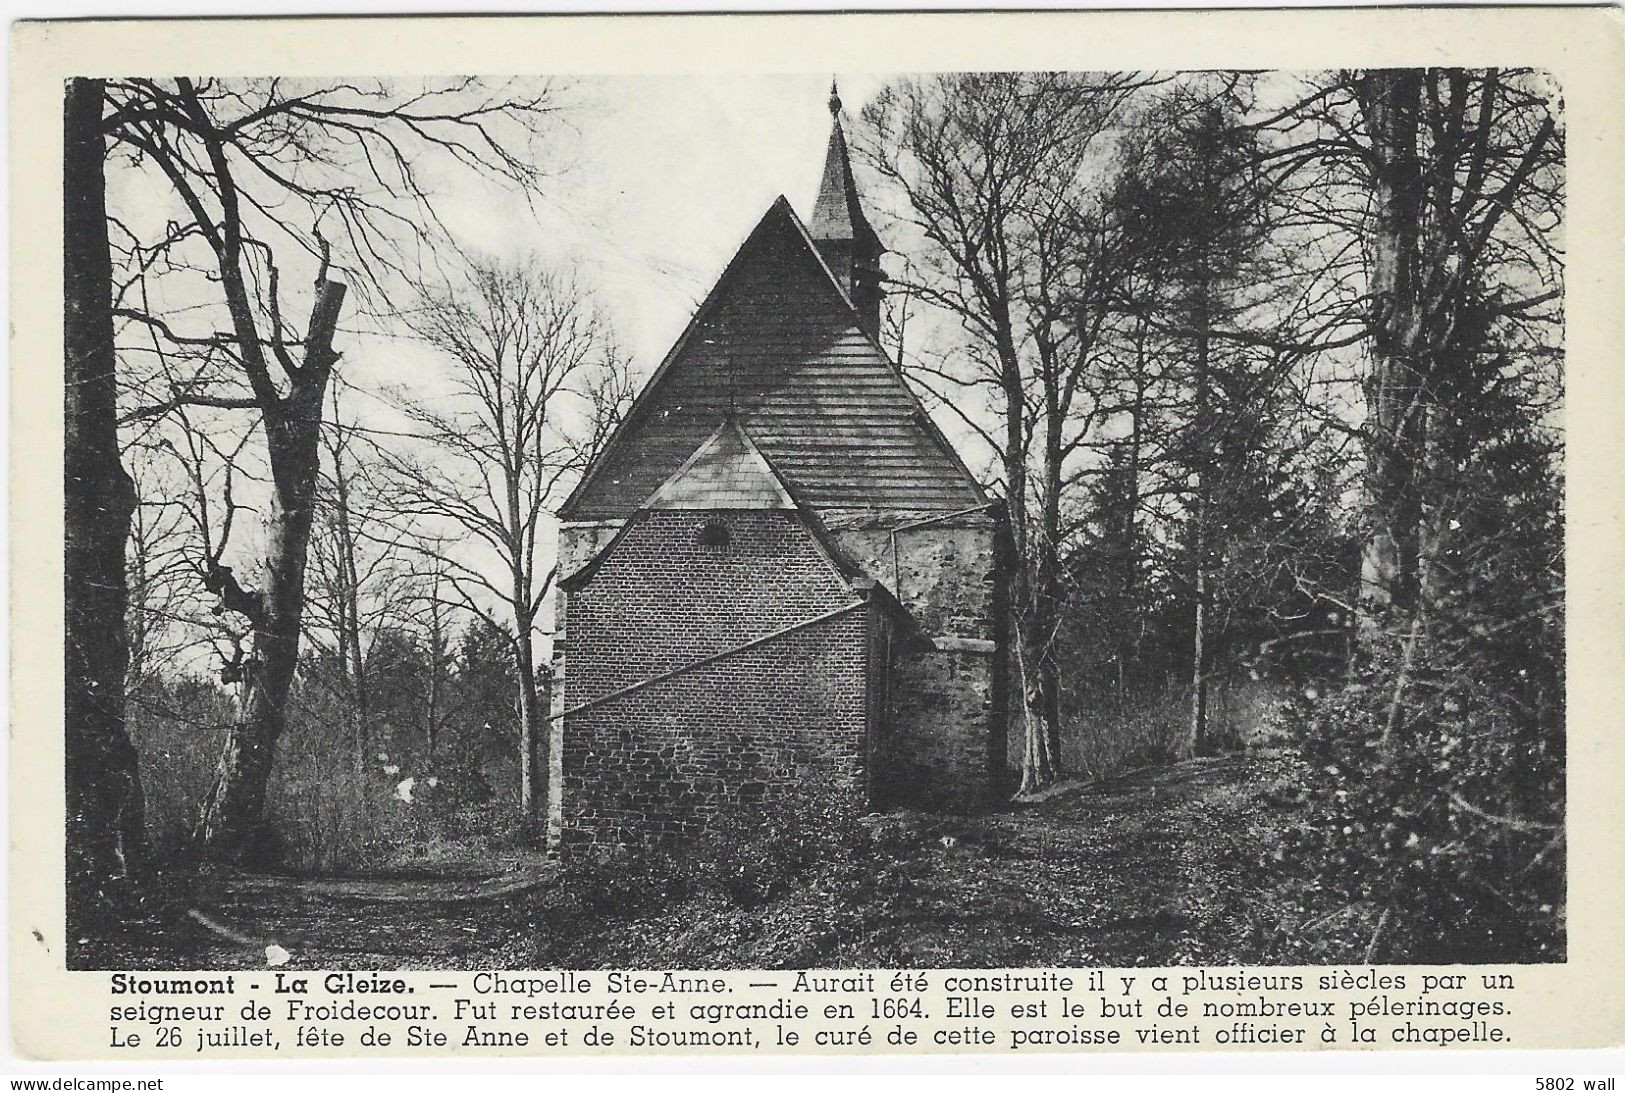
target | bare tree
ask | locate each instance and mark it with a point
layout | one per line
(536, 384)
(167, 620)
(358, 564)
(1198, 221)
(1462, 172)
(993, 171)
(435, 617)
(255, 168)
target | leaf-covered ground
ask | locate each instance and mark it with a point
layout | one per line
(1166, 866)
(1160, 867)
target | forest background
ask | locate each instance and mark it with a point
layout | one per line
(1268, 368)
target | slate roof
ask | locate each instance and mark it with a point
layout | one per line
(778, 347)
(726, 472)
(838, 213)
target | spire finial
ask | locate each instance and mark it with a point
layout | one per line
(834, 99)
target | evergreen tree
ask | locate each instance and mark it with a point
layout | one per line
(1196, 214)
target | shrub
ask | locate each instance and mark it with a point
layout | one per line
(1434, 792)
(329, 809)
(625, 881)
(808, 841)
(1111, 735)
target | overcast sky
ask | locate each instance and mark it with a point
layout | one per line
(664, 178)
(656, 183)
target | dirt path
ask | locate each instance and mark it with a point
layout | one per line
(420, 922)
(1157, 867)
(1137, 870)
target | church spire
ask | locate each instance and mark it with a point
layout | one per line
(843, 234)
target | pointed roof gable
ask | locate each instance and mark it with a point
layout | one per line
(726, 472)
(838, 213)
(778, 346)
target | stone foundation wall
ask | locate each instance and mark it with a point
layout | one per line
(579, 541)
(948, 728)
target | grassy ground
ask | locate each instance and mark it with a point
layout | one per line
(1158, 867)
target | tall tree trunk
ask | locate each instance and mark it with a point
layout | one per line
(1390, 101)
(437, 657)
(1015, 447)
(1200, 591)
(350, 655)
(105, 813)
(533, 735)
(1199, 650)
(236, 804)
(237, 801)
(1047, 598)
(1037, 762)
(1128, 646)
(1038, 768)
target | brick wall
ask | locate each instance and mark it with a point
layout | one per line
(676, 758)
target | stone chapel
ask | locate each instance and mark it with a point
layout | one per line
(778, 577)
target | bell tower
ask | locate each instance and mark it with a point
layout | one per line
(844, 237)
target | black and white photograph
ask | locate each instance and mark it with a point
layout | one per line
(815, 520)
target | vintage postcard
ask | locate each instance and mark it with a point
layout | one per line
(849, 533)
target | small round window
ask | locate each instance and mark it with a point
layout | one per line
(714, 534)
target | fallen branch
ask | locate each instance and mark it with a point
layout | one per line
(220, 928)
(1371, 947)
(1547, 849)
(1504, 821)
